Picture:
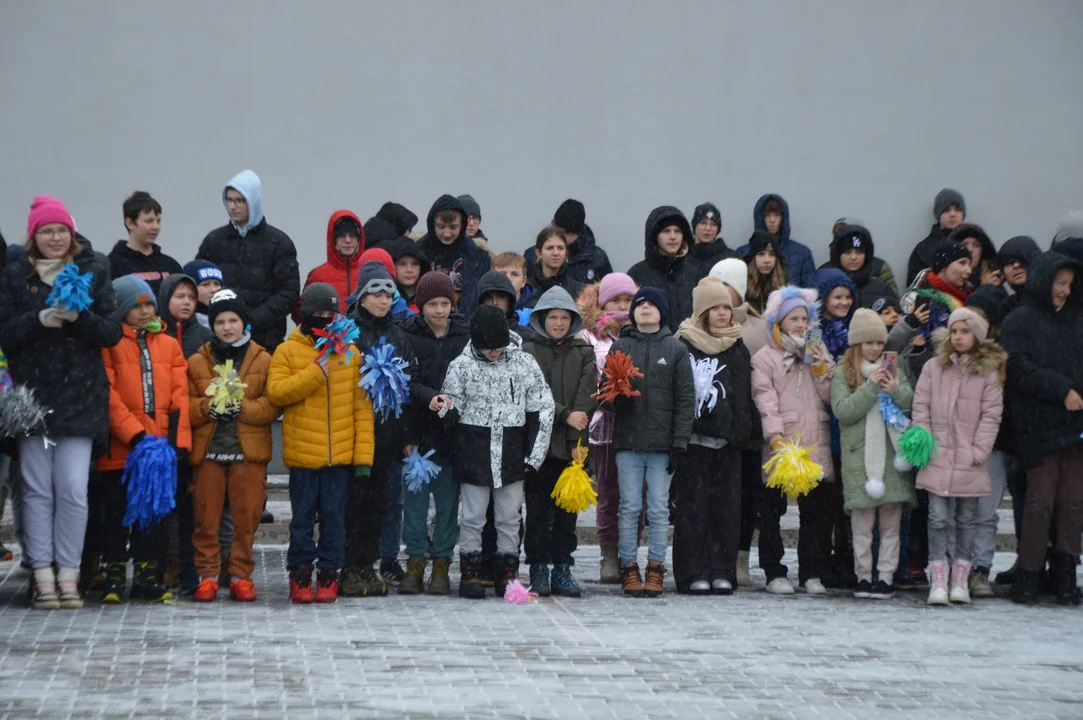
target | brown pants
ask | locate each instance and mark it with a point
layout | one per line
(863, 521)
(1056, 484)
(246, 484)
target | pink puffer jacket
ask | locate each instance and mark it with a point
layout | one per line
(960, 399)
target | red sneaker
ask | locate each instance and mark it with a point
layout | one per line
(207, 590)
(326, 586)
(242, 590)
(301, 584)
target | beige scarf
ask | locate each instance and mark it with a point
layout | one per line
(48, 269)
(712, 342)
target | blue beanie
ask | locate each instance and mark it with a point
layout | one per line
(130, 291)
(202, 270)
(655, 297)
(374, 277)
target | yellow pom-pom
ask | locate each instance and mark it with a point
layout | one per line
(226, 389)
(791, 470)
(574, 491)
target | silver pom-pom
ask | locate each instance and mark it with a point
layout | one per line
(20, 412)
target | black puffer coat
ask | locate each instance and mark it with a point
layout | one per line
(676, 276)
(1045, 362)
(924, 252)
(587, 262)
(733, 417)
(434, 356)
(538, 284)
(707, 255)
(261, 268)
(660, 418)
(62, 366)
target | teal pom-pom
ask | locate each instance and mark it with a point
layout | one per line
(918, 446)
(151, 476)
(419, 470)
(71, 290)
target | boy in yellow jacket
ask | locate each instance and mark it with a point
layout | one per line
(328, 440)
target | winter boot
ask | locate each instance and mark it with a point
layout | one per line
(327, 585)
(742, 568)
(91, 577)
(487, 570)
(172, 571)
(610, 566)
(67, 583)
(147, 584)
(539, 579)
(1025, 587)
(1007, 577)
(1064, 574)
(505, 570)
(116, 577)
(563, 582)
(656, 573)
(979, 583)
(363, 583)
(631, 582)
(470, 586)
(301, 584)
(43, 594)
(352, 583)
(413, 581)
(960, 581)
(391, 571)
(439, 582)
(938, 586)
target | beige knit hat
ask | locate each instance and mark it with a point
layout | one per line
(866, 326)
(708, 293)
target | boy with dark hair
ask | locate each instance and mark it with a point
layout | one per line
(666, 264)
(773, 215)
(709, 248)
(209, 280)
(410, 265)
(949, 209)
(449, 250)
(140, 255)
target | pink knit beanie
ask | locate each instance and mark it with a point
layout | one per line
(45, 210)
(614, 285)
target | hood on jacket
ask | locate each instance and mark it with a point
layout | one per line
(583, 245)
(843, 241)
(1040, 277)
(403, 246)
(830, 278)
(969, 230)
(398, 216)
(496, 281)
(1021, 248)
(445, 202)
(248, 184)
(334, 257)
(988, 356)
(555, 298)
(784, 228)
(659, 219)
(165, 293)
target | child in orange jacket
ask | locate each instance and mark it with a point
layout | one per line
(148, 396)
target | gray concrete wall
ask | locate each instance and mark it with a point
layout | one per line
(846, 107)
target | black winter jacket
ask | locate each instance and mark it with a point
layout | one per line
(538, 284)
(660, 418)
(676, 276)
(475, 261)
(587, 263)
(433, 355)
(734, 417)
(1045, 362)
(706, 255)
(190, 334)
(261, 268)
(153, 268)
(924, 252)
(62, 366)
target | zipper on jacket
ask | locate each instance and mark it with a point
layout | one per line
(646, 402)
(330, 459)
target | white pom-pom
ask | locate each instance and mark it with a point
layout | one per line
(902, 464)
(874, 488)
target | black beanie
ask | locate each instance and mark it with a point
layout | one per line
(762, 240)
(571, 217)
(705, 211)
(489, 328)
(346, 225)
(318, 297)
(226, 300)
(948, 253)
(654, 296)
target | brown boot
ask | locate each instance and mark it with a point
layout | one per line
(414, 580)
(439, 582)
(656, 572)
(610, 567)
(631, 582)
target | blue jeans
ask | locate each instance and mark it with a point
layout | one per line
(633, 470)
(323, 490)
(391, 532)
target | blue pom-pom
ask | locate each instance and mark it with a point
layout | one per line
(151, 476)
(419, 470)
(382, 377)
(894, 418)
(524, 316)
(337, 337)
(71, 290)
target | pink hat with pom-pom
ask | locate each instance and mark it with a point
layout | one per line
(46, 210)
(786, 299)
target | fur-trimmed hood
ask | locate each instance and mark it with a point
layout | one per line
(596, 320)
(989, 356)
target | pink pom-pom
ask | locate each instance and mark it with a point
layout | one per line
(517, 594)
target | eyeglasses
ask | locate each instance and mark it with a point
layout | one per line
(236, 201)
(54, 233)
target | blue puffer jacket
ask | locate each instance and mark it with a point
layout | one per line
(798, 256)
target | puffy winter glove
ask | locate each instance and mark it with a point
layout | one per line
(231, 413)
(362, 472)
(676, 455)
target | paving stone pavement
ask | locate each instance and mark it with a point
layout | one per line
(751, 655)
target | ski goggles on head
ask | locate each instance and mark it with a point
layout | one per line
(379, 285)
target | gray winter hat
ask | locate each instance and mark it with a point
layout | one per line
(1070, 227)
(555, 298)
(946, 198)
(470, 205)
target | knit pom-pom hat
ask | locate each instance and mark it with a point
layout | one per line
(783, 301)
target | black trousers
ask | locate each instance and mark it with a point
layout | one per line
(808, 536)
(145, 545)
(751, 495)
(366, 505)
(836, 544)
(185, 517)
(550, 531)
(706, 492)
(919, 532)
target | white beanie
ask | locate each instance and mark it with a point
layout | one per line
(734, 273)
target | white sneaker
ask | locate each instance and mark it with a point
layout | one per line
(938, 583)
(780, 586)
(742, 568)
(960, 582)
(813, 586)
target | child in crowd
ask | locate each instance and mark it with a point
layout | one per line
(550, 268)
(375, 503)
(983, 255)
(140, 254)
(437, 335)
(497, 288)
(874, 488)
(650, 432)
(329, 443)
(449, 250)
(230, 449)
(503, 412)
(949, 209)
(148, 395)
(410, 265)
(960, 400)
(604, 308)
(772, 214)
(887, 307)
(567, 363)
(666, 264)
(209, 280)
(345, 246)
(57, 353)
(766, 269)
(939, 291)
(707, 484)
(792, 397)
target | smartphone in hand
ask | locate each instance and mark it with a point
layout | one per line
(815, 337)
(890, 362)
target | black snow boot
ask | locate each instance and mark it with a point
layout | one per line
(470, 586)
(1025, 588)
(1064, 577)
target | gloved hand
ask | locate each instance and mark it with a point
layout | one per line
(137, 439)
(676, 455)
(362, 472)
(231, 413)
(51, 318)
(623, 404)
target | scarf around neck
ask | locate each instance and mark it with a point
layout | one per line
(877, 431)
(47, 270)
(712, 342)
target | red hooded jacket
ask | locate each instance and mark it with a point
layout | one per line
(338, 271)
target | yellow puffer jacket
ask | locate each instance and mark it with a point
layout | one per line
(328, 419)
